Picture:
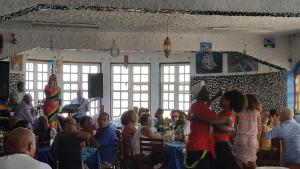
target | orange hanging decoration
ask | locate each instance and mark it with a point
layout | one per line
(126, 61)
(167, 47)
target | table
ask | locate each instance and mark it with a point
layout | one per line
(271, 167)
(175, 153)
(90, 156)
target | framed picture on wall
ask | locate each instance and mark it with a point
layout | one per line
(241, 63)
(16, 63)
(269, 43)
(209, 62)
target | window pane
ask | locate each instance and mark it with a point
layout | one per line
(74, 77)
(45, 68)
(124, 78)
(136, 97)
(40, 67)
(144, 87)
(136, 78)
(74, 68)
(74, 87)
(172, 69)
(124, 86)
(116, 95)
(66, 77)
(144, 78)
(40, 76)
(66, 68)
(136, 88)
(116, 104)
(40, 85)
(67, 87)
(144, 104)
(181, 69)
(136, 70)
(85, 77)
(94, 69)
(116, 86)
(124, 95)
(116, 69)
(166, 87)
(144, 70)
(85, 69)
(116, 78)
(84, 86)
(144, 97)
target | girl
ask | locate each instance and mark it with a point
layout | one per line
(232, 102)
(246, 139)
(128, 120)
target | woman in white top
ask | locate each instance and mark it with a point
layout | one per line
(144, 131)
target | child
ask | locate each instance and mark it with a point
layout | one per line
(246, 139)
(232, 102)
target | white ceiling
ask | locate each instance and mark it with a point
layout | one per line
(120, 21)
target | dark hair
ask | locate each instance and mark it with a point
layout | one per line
(83, 120)
(183, 113)
(158, 112)
(20, 84)
(66, 121)
(238, 101)
(126, 117)
(203, 95)
(42, 125)
(141, 111)
(253, 102)
(104, 114)
(143, 118)
(273, 112)
(174, 111)
(21, 123)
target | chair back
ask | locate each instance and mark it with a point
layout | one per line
(277, 146)
(152, 146)
(68, 152)
(294, 166)
(126, 149)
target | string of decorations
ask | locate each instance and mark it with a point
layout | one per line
(98, 8)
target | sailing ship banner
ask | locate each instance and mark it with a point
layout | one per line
(209, 62)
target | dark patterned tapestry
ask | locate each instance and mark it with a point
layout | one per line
(270, 88)
(14, 78)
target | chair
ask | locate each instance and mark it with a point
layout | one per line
(147, 145)
(294, 166)
(274, 156)
(67, 152)
(126, 150)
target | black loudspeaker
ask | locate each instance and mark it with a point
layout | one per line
(95, 85)
(4, 80)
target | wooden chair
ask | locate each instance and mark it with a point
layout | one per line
(118, 151)
(152, 146)
(126, 149)
(273, 157)
(294, 166)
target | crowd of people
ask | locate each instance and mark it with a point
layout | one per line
(228, 139)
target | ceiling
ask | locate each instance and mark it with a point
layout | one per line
(121, 21)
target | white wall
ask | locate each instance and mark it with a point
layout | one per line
(103, 57)
(146, 41)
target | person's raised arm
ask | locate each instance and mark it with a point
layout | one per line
(147, 132)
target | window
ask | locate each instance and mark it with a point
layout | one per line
(36, 79)
(175, 87)
(75, 76)
(130, 87)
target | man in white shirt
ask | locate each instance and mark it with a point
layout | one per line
(21, 147)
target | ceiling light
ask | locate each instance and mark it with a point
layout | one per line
(242, 29)
(63, 26)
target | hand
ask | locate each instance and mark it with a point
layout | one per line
(220, 93)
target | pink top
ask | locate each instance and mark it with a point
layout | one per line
(245, 141)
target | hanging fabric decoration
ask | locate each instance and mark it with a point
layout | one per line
(126, 61)
(167, 47)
